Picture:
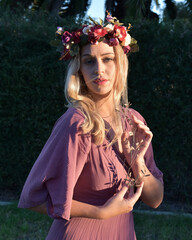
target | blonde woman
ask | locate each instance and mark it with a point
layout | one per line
(99, 150)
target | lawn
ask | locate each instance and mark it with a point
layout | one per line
(21, 224)
(163, 227)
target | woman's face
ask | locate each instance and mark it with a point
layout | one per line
(98, 69)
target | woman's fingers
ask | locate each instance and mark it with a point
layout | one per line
(119, 204)
(122, 192)
(137, 194)
(131, 193)
(139, 190)
(136, 120)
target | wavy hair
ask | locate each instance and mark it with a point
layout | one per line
(78, 96)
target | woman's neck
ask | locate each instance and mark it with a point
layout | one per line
(105, 106)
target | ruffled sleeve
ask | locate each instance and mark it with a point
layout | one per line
(53, 177)
(149, 156)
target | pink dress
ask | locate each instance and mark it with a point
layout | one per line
(71, 166)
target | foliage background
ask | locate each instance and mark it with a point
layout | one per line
(31, 93)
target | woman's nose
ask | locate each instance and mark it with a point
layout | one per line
(99, 69)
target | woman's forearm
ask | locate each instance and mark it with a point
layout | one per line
(153, 189)
(41, 209)
(80, 209)
(114, 206)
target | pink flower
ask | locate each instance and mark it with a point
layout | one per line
(126, 49)
(109, 18)
(66, 37)
(113, 42)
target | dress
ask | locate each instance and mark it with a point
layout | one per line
(72, 166)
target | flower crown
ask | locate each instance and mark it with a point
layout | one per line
(111, 32)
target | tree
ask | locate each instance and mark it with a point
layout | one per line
(171, 9)
(74, 7)
(63, 7)
(139, 9)
(184, 12)
(131, 8)
(51, 5)
(12, 4)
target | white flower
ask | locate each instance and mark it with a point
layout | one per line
(126, 41)
(59, 30)
(109, 27)
(87, 29)
(67, 46)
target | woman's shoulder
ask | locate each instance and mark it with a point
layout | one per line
(74, 114)
(72, 118)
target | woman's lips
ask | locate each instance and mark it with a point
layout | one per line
(100, 81)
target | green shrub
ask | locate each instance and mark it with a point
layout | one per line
(160, 88)
(32, 94)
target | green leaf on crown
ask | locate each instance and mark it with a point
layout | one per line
(55, 42)
(74, 50)
(133, 41)
(101, 21)
(96, 23)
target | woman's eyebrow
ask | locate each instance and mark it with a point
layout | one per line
(89, 55)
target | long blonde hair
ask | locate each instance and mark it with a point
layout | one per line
(78, 96)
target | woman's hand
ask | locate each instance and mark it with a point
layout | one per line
(135, 145)
(119, 204)
(136, 142)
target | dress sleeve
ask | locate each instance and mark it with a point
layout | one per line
(53, 177)
(149, 156)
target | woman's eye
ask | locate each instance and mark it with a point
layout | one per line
(89, 61)
(108, 59)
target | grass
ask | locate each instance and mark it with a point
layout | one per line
(162, 227)
(22, 224)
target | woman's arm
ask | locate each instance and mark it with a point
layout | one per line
(116, 205)
(134, 148)
(153, 189)
(41, 209)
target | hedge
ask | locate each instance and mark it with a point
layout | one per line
(32, 98)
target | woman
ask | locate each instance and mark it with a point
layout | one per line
(98, 150)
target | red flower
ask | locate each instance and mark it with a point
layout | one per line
(66, 37)
(121, 32)
(93, 37)
(99, 31)
(76, 36)
(111, 34)
(113, 42)
(65, 55)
